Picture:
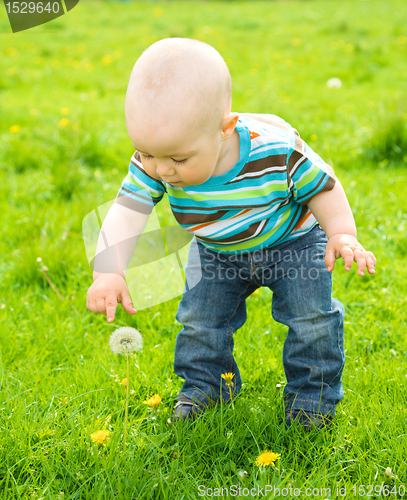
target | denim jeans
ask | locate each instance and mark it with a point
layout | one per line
(214, 307)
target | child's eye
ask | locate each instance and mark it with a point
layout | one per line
(146, 157)
(180, 162)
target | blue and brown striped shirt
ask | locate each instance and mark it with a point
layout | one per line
(260, 202)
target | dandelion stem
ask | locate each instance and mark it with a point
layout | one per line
(231, 398)
(126, 410)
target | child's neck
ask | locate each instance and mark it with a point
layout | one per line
(229, 155)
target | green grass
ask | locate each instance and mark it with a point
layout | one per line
(52, 174)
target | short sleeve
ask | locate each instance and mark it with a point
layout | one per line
(307, 173)
(139, 191)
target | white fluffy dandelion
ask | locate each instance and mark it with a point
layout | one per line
(334, 83)
(125, 340)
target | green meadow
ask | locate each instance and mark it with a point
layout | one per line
(64, 151)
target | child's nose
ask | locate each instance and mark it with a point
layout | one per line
(164, 170)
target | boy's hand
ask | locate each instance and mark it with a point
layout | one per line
(348, 247)
(104, 294)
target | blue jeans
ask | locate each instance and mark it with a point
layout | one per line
(214, 307)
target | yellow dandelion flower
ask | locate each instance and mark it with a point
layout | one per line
(64, 122)
(64, 111)
(11, 51)
(124, 382)
(267, 458)
(314, 137)
(14, 129)
(106, 60)
(157, 11)
(153, 401)
(100, 437)
(296, 42)
(227, 377)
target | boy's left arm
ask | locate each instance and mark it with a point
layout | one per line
(334, 215)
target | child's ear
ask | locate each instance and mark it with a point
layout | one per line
(229, 125)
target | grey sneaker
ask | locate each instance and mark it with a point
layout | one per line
(306, 420)
(185, 409)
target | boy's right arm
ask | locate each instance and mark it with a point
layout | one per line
(113, 254)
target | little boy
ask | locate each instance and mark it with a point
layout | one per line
(265, 210)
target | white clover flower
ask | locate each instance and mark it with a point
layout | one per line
(125, 340)
(334, 83)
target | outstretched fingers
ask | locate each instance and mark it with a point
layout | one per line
(362, 258)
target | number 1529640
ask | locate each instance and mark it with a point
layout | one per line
(31, 7)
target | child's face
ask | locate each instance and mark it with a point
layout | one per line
(180, 155)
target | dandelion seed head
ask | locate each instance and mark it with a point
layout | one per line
(334, 83)
(125, 340)
(267, 458)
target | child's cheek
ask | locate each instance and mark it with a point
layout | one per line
(150, 171)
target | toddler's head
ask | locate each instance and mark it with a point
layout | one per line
(178, 111)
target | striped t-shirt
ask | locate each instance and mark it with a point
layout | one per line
(260, 202)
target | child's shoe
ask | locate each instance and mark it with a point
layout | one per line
(308, 421)
(185, 409)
